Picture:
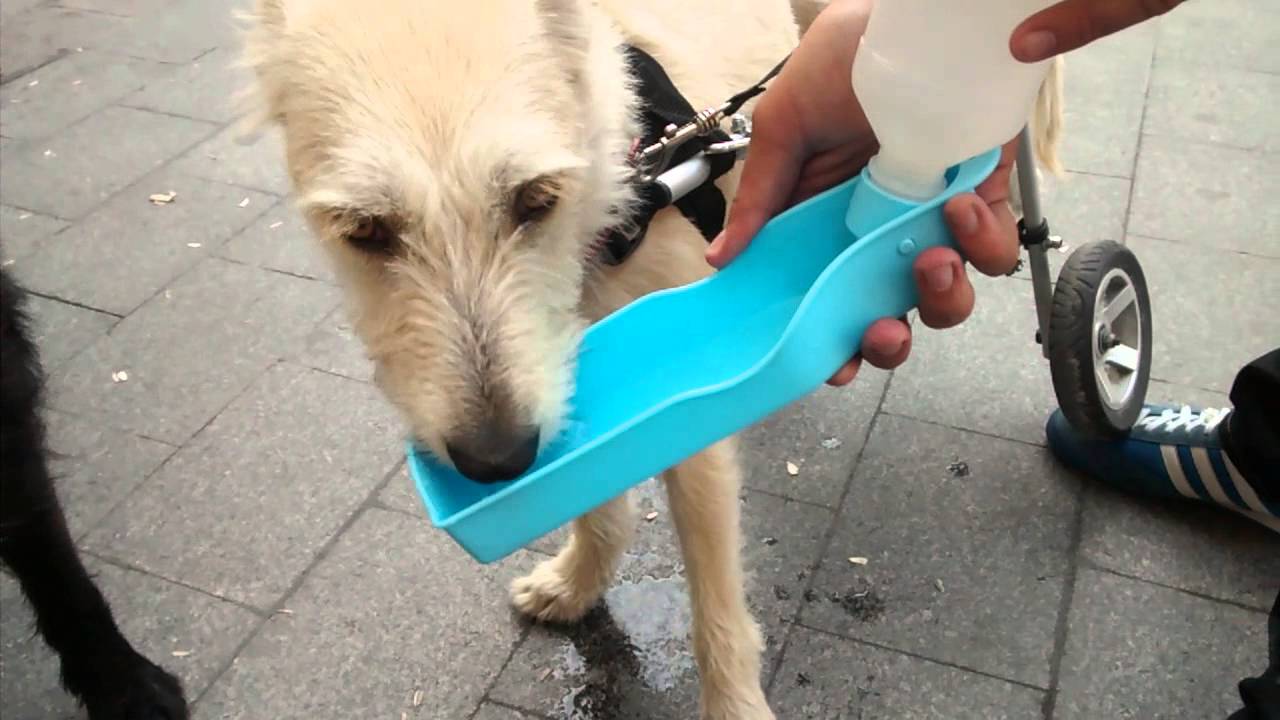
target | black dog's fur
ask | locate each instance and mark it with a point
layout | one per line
(99, 666)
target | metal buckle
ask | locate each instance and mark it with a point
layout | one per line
(655, 159)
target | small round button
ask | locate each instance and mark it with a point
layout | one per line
(907, 246)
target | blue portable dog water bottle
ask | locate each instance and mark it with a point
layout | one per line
(711, 358)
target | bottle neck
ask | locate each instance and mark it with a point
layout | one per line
(907, 179)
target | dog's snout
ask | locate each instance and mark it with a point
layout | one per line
(492, 455)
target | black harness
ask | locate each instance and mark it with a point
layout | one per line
(664, 106)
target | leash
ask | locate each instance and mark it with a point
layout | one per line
(679, 155)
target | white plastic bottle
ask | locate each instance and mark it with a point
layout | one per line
(939, 85)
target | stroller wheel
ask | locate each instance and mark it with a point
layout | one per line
(1100, 339)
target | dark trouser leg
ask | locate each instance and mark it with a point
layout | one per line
(1261, 695)
(1252, 435)
(1252, 441)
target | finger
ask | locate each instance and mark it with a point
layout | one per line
(1072, 24)
(846, 374)
(986, 234)
(768, 177)
(996, 186)
(886, 343)
(986, 230)
(946, 297)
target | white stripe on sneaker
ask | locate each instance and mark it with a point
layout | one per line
(1244, 488)
(1264, 519)
(1174, 467)
(1200, 457)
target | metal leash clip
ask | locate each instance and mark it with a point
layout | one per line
(655, 159)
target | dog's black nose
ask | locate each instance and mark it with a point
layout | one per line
(494, 456)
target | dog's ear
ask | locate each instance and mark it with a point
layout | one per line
(566, 27)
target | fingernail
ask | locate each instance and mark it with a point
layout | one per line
(940, 278)
(1036, 46)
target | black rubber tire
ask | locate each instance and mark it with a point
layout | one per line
(1071, 339)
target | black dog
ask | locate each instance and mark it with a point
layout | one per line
(99, 666)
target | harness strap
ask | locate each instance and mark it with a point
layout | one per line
(663, 105)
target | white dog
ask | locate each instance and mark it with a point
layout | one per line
(458, 162)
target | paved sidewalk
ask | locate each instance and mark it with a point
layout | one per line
(243, 501)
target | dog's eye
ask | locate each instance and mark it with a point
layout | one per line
(534, 201)
(372, 235)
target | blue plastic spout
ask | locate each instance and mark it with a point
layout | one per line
(872, 207)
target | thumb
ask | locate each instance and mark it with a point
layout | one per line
(1072, 24)
(769, 174)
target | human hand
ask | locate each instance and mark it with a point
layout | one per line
(809, 134)
(1072, 24)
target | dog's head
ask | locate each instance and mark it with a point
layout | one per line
(457, 162)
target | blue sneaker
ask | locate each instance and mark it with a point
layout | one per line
(1171, 452)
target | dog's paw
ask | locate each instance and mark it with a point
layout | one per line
(548, 596)
(145, 692)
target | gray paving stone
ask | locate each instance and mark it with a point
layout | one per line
(97, 467)
(838, 417)
(68, 175)
(400, 494)
(191, 349)
(23, 232)
(258, 163)
(1140, 651)
(171, 31)
(1214, 104)
(1082, 208)
(1207, 195)
(15, 7)
(1186, 545)
(333, 347)
(986, 375)
(61, 331)
(392, 609)
(1106, 84)
(490, 711)
(204, 89)
(1174, 394)
(122, 8)
(967, 542)
(179, 31)
(42, 34)
(1226, 34)
(628, 662)
(632, 653)
(67, 90)
(829, 678)
(245, 506)
(1203, 338)
(129, 249)
(280, 240)
(158, 617)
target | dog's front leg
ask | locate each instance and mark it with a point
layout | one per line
(703, 495)
(565, 587)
